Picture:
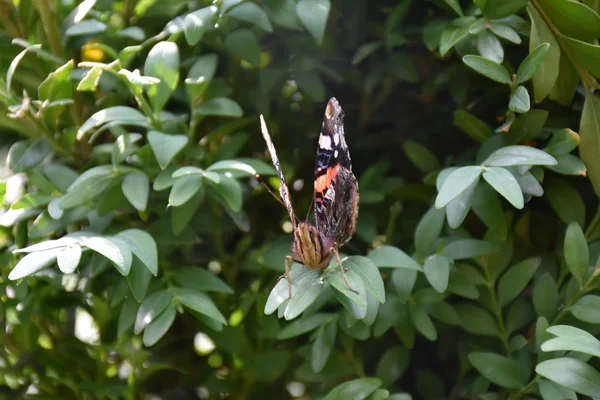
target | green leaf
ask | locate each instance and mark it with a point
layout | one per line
(199, 302)
(365, 51)
(196, 23)
(27, 154)
(116, 250)
(304, 325)
(68, 259)
(34, 262)
(437, 272)
(58, 84)
(323, 345)
(468, 248)
(454, 32)
(87, 27)
(159, 326)
(152, 306)
(127, 316)
(200, 280)
(587, 55)
(547, 73)
(518, 155)
(488, 68)
(184, 188)
(576, 252)
(143, 246)
(313, 14)
(498, 369)
(392, 257)
(136, 187)
(61, 176)
(368, 272)
(182, 215)
(562, 142)
(119, 115)
(496, 9)
(476, 320)
(519, 100)
(428, 230)
(393, 364)
(573, 374)
(31, 200)
(587, 309)
(138, 279)
(490, 47)
(166, 147)
(545, 296)
(243, 44)
(570, 338)
(472, 126)
(566, 201)
(455, 5)
(532, 62)
(422, 322)
(305, 291)
(250, 12)
(220, 106)
(357, 389)
(573, 19)
(230, 191)
(310, 83)
(338, 284)
(569, 164)
(421, 156)
(589, 148)
(553, 391)
(124, 147)
(516, 279)
(162, 63)
(242, 167)
(12, 68)
(283, 12)
(302, 279)
(504, 31)
(505, 183)
(456, 183)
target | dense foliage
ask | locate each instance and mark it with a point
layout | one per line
(139, 255)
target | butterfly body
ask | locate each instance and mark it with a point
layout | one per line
(335, 197)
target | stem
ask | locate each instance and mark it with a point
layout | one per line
(46, 10)
(498, 314)
(586, 288)
(526, 389)
(592, 225)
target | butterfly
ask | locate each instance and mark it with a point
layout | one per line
(335, 199)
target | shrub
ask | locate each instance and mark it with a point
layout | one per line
(140, 255)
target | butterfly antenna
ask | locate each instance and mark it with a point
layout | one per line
(310, 207)
(260, 179)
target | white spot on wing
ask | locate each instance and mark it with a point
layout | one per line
(325, 142)
(335, 154)
(336, 139)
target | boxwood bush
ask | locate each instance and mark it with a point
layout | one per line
(139, 254)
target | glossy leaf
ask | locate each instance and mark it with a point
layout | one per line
(516, 279)
(519, 100)
(437, 271)
(488, 68)
(547, 73)
(589, 148)
(573, 374)
(456, 183)
(166, 147)
(576, 252)
(587, 309)
(136, 187)
(531, 63)
(505, 184)
(392, 257)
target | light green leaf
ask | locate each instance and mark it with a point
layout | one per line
(545, 296)
(27, 154)
(488, 68)
(518, 155)
(116, 250)
(570, 338)
(392, 257)
(323, 345)
(357, 389)
(162, 63)
(138, 279)
(531, 63)
(199, 302)
(230, 191)
(184, 188)
(456, 183)
(468, 248)
(422, 322)
(505, 184)
(587, 309)
(589, 148)
(196, 23)
(152, 306)
(120, 115)
(34, 262)
(136, 187)
(437, 272)
(313, 14)
(368, 272)
(547, 73)
(159, 326)
(519, 100)
(142, 245)
(87, 186)
(304, 325)
(68, 259)
(87, 27)
(428, 230)
(573, 374)
(166, 147)
(200, 280)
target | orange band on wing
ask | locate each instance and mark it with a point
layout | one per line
(324, 181)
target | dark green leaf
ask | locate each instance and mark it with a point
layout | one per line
(472, 126)
(547, 73)
(587, 309)
(404, 281)
(576, 252)
(139, 278)
(199, 302)
(468, 248)
(323, 345)
(565, 201)
(428, 230)
(252, 13)
(392, 257)
(519, 100)
(243, 44)
(152, 306)
(421, 156)
(498, 369)
(392, 364)
(136, 187)
(545, 296)
(313, 14)
(422, 322)
(589, 148)
(196, 23)
(476, 320)
(27, 154)
(358, 389)
(159, 326)
(166, 147)
(304, 325)
(220, 106)
(516, 279)
(495, 9)
(531, 63)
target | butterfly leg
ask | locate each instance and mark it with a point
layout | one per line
(339, 261)
(288, 261)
